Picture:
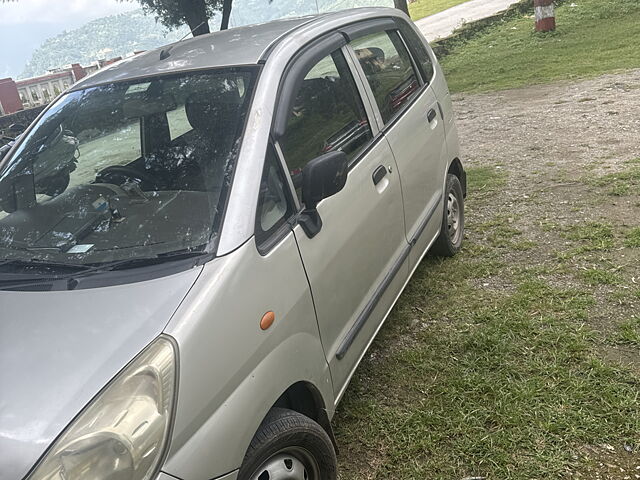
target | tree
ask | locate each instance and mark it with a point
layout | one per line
(195, 13)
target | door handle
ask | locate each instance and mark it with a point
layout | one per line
(431, 116)
(378, 174)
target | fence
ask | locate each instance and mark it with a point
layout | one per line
(24, 117)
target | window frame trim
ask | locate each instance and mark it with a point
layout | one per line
(266, 241)
(400, 24)
(292, 78)
(318, 49)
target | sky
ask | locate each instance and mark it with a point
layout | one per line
(25, 24)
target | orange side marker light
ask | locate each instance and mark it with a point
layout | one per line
(267, 320)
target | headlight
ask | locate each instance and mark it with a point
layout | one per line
(123, 432)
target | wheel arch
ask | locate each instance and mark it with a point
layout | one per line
(304, 398)
(456, 168)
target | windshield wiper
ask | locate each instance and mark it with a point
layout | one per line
(72, 278)
(142, 262)
(35, 262)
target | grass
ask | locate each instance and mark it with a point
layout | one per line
(483, 180)
(488, 368)
(424, 8)
(632, 239)
(593, 37)
(589, 237)
(629, 332)
(598, 276)
(623, 183)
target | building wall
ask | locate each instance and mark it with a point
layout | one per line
(38, 91)
(9, 98)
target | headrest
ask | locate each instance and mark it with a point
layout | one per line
(209, 111)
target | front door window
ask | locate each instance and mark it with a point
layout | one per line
(327, 115)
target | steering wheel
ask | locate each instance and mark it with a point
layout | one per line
(126, 172)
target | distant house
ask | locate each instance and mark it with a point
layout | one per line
(37, 91)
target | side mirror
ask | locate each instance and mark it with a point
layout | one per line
(322, 177)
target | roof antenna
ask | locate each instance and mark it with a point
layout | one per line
(166, 52)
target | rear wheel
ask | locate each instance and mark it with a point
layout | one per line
(289, 446)
(449, 241)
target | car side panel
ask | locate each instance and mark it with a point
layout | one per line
(231, 371)
(420, 150)
(361, 240)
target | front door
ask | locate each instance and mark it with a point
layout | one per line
(356, 264)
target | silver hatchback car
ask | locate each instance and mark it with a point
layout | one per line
(200, 242)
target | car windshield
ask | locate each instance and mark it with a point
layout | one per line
(122, 171)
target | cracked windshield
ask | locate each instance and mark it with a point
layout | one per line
(125, 170)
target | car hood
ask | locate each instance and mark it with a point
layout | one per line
(58, 349)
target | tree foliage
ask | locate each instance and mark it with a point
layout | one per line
(194, 13)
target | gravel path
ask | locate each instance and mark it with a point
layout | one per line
(443, 24)
(572, 124)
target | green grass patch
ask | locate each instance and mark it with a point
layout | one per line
(482, 180)
(625, 182)
(598, 276)
(593, 235)
(424, 8)
(511, 54)
(497, 385)
(628, 332)
(632, 238)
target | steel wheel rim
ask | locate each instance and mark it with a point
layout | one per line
(289, 464)
(454, 220)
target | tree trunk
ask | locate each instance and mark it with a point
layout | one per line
(401, 5)
(195, 14)
(226, 13)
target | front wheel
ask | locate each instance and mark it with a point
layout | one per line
(289, 446)
(449, 241)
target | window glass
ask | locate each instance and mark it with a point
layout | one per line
(327, 115)
(274, 206)
(99, 179)
(387, 66)
(419, 51)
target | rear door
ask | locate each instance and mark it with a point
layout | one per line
(357, 263)
(408, 114)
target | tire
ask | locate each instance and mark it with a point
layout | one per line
(449, 241)
(289, 445)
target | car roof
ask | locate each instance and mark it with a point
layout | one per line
(234, 47)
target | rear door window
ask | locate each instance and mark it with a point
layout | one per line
(419, 52)
(387, 65)
(327, 115)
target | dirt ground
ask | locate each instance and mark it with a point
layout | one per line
(562, 147)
